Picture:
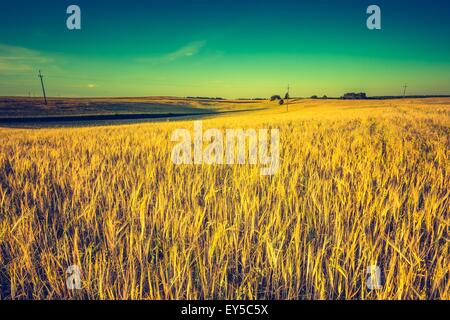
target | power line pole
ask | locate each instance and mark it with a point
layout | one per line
(404, 91)
(287, 98)
(43, 88)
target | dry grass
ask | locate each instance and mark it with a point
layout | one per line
(360, 183)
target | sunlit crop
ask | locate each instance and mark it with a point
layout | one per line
(359, 184)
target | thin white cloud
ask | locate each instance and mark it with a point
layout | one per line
(186, 51)
(19, 59)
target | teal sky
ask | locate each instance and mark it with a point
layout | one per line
(229, 48)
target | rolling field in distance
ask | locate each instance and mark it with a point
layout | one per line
(13, 107)
(361, 183)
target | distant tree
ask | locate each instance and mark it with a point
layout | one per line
(286, 96)
(354, 96)
(362, 95)
(275, 97)
(314, 97)
(325, 97)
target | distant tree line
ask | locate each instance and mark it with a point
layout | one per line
(347, 96)
(254, 99)
(316, 97)
(355, 96)
(206, 98)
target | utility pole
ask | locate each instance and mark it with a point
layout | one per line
(287, 98)
(404, 91)
(43, 88)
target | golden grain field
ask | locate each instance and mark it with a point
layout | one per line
(360, 184)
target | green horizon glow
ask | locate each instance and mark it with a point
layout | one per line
(227, 49)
